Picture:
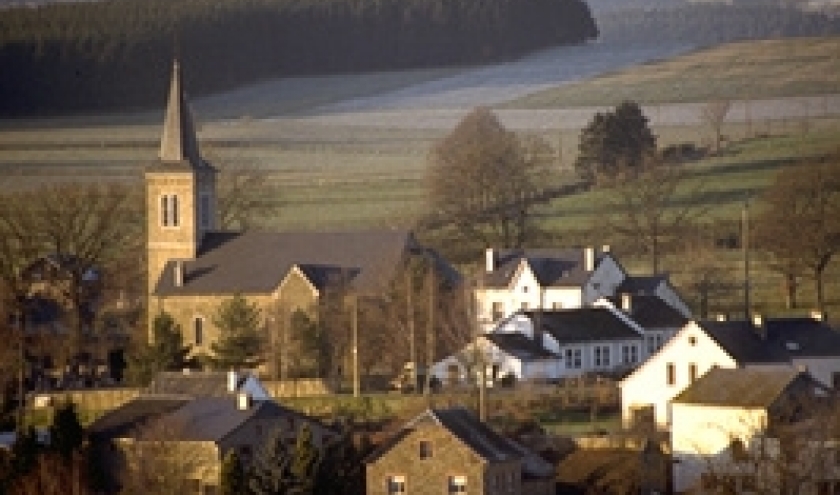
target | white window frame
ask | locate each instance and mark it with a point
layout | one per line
(395, 485)
(457, 484)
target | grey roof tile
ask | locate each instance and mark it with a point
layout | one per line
(519, 345)
(740, 387)
(590, 324)
(552, 267)
(125, 420)
(193, 383)
(256, 262)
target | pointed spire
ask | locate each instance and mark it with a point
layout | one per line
(179, 142)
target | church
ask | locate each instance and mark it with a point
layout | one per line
(192, 266)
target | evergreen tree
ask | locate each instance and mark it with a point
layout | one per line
(270, 468)
(613, 141)
(239, 340)
(234, 480)
(341, 471)
(166, 353)
(303, 469)
(66, 431)
(25, 452)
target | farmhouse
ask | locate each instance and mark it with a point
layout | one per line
(192, 266)
(763, 343)
(517, 280)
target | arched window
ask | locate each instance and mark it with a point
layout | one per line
(198, 327)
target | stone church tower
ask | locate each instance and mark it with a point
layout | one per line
(180, 191)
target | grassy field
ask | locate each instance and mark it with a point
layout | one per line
(737, 71)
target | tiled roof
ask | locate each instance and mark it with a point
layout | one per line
(641, 285)
(519, 345)
(739, 387)
(194, 383)
(256, 262)
(552, 267)
(777, 340)
(652, 312)
(125, 420)
(590, 324)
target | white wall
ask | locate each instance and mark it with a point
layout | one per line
(701, 437)
(648, 386)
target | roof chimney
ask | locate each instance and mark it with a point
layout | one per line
(243, 401)
(605, 248)
(179, 273)
(758, 324)
(627, 302)
(589, 259)
(817, 315)
(489, 260)
(231, 381)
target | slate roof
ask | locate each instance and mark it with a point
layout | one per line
(256, 262)
(551, 267)
(519, 346)
(590, 324)
(184, 418)
(784, 339)
(126, 419)
(641, 284)
(194, 383)
(740, 387)
(651, 312)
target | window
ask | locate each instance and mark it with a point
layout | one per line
(524, 305)
(525, 289)
(556, 305)
(457, 484)
(498, 311)
(169, 210)
(629, 354)
(692, 372)
(602, 356)
(835, 380)
(425, 449)
(651, 344)
(199, 330)
(670, 374)
(573, 359)
(692, 340)
(395, 485)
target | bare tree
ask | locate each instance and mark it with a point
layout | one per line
(703, 274)
(649, 207)
(713, 114)
(482, 182)
(799, 225)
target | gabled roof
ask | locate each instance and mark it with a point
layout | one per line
(551, 267)
(185, 419)
(652, 312)
(178, 143)
(519, 345)
(195, 383)
(126, 419)
(256, 262)
(777, 340)
(741, 387)
(590, 324)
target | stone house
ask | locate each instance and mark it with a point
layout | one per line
(450, 451)
(181, 440)
(193, 266)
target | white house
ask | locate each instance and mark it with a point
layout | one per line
(798, 343)
(514, 353)
(726, 424)
(552, 344)
(521, 280)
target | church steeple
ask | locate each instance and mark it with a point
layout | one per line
(179, 143)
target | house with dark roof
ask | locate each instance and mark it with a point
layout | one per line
(550, 345)
(660, 320)
(807, 343)
(187, 437)
(525, 279)
(193, 266)
(190, 383)
(451, 451)
(730, 424)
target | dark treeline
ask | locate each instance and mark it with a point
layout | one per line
(706, 23)
(117, 54)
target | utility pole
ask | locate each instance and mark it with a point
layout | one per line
(409, 308)
(481, 362)
(355, 327)
(430, 328)
(745, 245)
(21, 364)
